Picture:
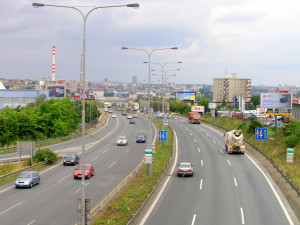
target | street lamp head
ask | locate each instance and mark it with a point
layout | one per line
(36, 5)
(134, 5)
(179, 62)
(174, 48)
(145, 62)
(124, 48)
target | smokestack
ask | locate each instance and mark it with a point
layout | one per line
(53, 64)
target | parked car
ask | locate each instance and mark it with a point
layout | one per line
(113, 116)
(71, 159)
(185, 169)
(28, 179)
(129, 116)
(124, 113)
(141, 138)
(88, 171)
(122, 140)
(132, 121)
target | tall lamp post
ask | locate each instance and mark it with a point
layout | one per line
(149, 53)
(84, 16)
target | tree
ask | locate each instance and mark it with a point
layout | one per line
(40, 99)
(256, 100)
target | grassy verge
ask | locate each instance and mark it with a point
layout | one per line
(120, 210)
(7, 151)
(274, 147)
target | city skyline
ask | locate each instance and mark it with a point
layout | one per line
(255, 39)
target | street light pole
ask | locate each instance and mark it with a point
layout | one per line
(37, 5)
(149, 53)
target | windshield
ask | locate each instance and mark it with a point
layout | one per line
(122, 138)
(80, 168)
(25, 175)
(70, 156)
(140, 135)
(185, 165)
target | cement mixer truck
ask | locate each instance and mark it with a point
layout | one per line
(234, 142)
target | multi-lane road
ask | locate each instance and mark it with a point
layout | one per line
(54, 200)
(225, 189)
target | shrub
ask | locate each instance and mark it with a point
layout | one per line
(254, 124)
(42, 155)
(291, 141)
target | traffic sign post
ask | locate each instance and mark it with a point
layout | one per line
(261, 134)
(166, 122)
(289, 157)
(163, 135)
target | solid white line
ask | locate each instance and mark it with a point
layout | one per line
(111, 165)
(201, 184)
(274, 191)
(11, 208)
(235, 182)
(105, 151)
(194, 218)
(214, 141)
(194, 140)
(31, 222)
(221, 151)
(94, 158)
(164, 185)
(228, 162)
(198, 149)
(242, 216)
(64, 178)
(201, 162)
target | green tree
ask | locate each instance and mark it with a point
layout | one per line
(256, 100)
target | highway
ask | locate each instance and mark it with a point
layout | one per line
(225, 189)
(54, 200)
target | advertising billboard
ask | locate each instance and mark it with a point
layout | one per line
(198, 108)
(185, 96)
(276, 100)
(57, 92)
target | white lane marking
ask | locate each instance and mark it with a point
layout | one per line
(235, 182)
(242, 216)
(201, 184)
(207, 134)
(127, 151)
(186, 129)
(80, 188)
(214, 141)
(194, 140)
(164, 185)
(7, 189)
(229, 162)
(10, 208)
(64, 178)
(112, 165)
(274, 191)
(201, 129)
(94, 158)
(31, 222)
(194, 218)
(201, 162)
(191, 134)
(213, 129)
(198, 149)
(105, 151)
(221, 151)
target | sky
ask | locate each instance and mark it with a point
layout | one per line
(257, 39)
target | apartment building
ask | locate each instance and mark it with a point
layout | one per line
(231, 85)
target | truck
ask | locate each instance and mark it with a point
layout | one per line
(194, 117)
(107, 105)
(234, 142)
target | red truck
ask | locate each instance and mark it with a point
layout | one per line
(194, 117)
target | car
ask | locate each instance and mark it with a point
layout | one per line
(283, 100)
(105, 110)
(132, 122)
(251, 116)
(185, 169)
(129, 116)
(113, 116)
(122, 140)
(110, 111)
(71, 159)
(141, 138)
(28, 179)
(134, 116)
(124, 113)
(89, 171)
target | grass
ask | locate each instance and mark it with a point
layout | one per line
(274, 148)
(7, 151)
(120, 210)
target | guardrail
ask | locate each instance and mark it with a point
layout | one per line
(267, 157)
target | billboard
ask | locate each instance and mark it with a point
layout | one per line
(185, 96)
(56, 92)
(198, 109)
(276, 100)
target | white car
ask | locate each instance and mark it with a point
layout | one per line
(113, 116)
(122, 140)
(129, 116)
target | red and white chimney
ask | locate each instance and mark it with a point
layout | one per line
(53, 64)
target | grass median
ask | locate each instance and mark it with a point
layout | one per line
(121, 209)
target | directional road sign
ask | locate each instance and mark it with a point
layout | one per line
(166, 122)
(261, 134)
(163, 135)
(289, 155)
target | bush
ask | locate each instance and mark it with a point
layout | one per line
(46, 154)
(291, 141)
(254, 124)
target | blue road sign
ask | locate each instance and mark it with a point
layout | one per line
(261, 134)
(163, 135)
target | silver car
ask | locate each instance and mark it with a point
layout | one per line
(28, 179)
(185, 169)
(122, 140)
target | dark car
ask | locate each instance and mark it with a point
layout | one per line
(71, 159)
(88, 171)
(28, 179)
(124, 113)
(185, 169)
(132, 121)
(141, 138)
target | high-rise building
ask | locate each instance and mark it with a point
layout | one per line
(134, 79)
(231, 85)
